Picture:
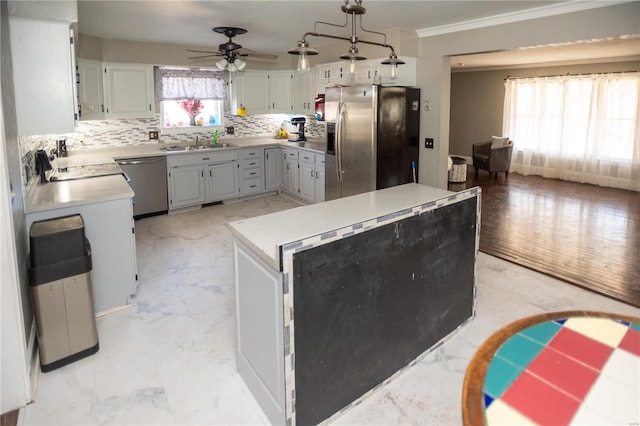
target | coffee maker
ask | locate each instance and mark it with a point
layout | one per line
(298, 121)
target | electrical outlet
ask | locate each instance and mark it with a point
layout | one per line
(230, 130)
(153, 135)
(428, 143)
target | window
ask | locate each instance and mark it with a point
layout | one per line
(576, 127)
(190, 99)
(175, 114)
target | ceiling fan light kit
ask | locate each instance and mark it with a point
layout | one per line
(230, 51)
(353, 10)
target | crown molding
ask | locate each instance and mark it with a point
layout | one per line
(523, 15)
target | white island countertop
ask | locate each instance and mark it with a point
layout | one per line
(70, 193)
(266, 234)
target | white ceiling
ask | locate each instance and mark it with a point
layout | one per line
(275, 26)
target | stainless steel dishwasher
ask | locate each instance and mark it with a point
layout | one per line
(149, 183)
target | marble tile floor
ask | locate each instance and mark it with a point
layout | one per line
(170, 359)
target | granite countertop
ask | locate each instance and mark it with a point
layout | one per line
(266, 234)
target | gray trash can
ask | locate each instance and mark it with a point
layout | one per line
(458, 172)
(60, 281)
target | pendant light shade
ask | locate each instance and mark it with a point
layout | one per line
(353, 11)
(304, 51)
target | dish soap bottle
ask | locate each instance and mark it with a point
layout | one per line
(214, 138)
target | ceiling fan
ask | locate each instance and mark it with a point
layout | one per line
(231, 51)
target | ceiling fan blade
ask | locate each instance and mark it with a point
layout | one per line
(263, 56)
(203, 56)
(202, 51)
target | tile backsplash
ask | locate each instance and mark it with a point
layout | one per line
(113, 133)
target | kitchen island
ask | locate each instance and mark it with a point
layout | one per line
(334, 299)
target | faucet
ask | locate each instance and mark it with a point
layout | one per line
(197, 141)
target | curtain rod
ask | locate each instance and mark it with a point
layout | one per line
(569, 74)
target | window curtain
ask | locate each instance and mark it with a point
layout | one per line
(182, 83)
(582, 128)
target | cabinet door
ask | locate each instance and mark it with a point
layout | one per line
(319, 186)
(253, 92)
(186, 186)
(304, 93)
(272, 168)
(129, 91)
(223, 181)
(43, 76)
(281, 88)
(90, 90)
(307, 180)
(291, 170)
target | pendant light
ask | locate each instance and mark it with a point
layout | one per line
(355, 11)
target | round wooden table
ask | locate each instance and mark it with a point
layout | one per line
(571, 367)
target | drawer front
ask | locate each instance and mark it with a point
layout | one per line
(203, 158)
(252, 153)
(291, 153)
(251, 186)
(251, 163)
(319, 161)
(251, 173)
(307, 157)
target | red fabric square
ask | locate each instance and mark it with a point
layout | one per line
(566, 373)
(581, 348)
(631, 341)
(539, 401)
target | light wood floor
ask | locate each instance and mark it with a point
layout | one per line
(583, 234)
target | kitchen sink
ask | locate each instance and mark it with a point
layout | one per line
(177, 148)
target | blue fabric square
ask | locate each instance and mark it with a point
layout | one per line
(500, 375)
(543, 332)
(519, 350)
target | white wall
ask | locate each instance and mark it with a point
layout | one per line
(434, 69)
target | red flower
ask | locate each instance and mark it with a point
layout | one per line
(191, 106)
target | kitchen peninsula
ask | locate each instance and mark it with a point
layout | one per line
(105, 205)
(334, 299)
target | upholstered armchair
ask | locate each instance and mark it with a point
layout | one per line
(493, 156)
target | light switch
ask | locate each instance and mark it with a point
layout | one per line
(427, 107)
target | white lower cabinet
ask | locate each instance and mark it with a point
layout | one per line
(195, 179)
(273, 158)
(202, 178)
(222, 181)
(307, 177)
(311, 176)
(186, 186)
(110, 229)
(291, 172)
(252, 171)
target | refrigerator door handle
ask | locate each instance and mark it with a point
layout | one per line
(339, 124)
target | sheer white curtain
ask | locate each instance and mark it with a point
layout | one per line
(581, 128)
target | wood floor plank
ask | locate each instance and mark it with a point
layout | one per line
(583, 234)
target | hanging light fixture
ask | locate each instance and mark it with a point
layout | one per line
(354, 10)
(232, 62)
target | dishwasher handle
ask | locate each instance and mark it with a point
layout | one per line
(136, 161)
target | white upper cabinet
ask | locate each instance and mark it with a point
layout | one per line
(90, 89)
(281, 91)
(43, 76)
(264, 92)
(304, 93)
(128, 90)
(252, 91)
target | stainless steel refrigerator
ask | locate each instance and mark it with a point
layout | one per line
(372, 138)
